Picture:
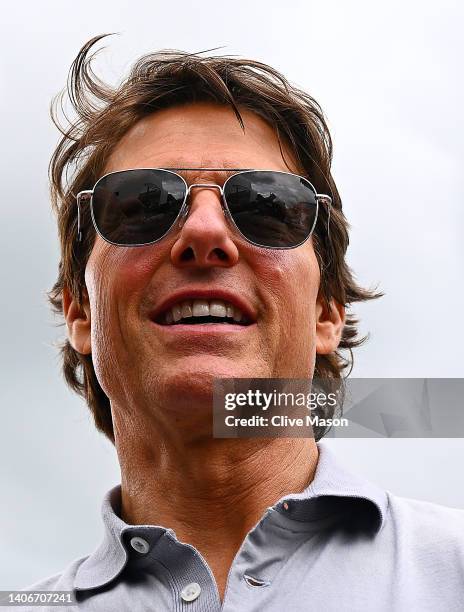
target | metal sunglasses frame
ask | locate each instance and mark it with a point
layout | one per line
(87, 195)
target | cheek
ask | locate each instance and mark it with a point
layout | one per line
(292, 279)
(116, 278)
(290, 282)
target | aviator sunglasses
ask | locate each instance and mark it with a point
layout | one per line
(270, 209)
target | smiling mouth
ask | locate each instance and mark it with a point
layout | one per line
(203, 312)
(205, 321)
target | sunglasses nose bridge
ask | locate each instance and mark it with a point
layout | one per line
(186, 206)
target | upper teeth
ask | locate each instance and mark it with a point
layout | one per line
(202, 308)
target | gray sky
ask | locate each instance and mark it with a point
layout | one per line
(388, 76)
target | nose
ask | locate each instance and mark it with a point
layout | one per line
(204, 239)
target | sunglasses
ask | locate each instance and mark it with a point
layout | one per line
(270, 209)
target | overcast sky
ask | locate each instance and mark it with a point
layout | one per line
(389, 78)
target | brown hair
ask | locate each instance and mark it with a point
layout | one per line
(160, 80)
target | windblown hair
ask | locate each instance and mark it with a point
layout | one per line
(171, 78)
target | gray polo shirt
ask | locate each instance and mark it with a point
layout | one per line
(343, 544)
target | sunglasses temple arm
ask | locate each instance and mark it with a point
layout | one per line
(329, 207)
(327, 200)
(82, 196)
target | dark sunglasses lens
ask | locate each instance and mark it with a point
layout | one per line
(272, 209)
(137, 206)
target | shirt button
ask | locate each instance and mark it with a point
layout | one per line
(191, 591)
(140, 545)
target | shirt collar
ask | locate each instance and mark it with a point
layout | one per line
(333, 486)
(365, 503)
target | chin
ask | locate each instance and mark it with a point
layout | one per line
(194, 385)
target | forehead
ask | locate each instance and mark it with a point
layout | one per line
(201, 135)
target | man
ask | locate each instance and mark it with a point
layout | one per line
(179, 268)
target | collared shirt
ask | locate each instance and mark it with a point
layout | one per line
(342, 545)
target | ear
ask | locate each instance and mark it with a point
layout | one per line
(330, 322)
(77, 321)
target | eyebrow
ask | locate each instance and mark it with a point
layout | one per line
(212, 171)
(209, 169)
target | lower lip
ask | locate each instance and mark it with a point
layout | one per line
(201, 329)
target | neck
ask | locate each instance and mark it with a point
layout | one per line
(202, 488)
(210, 491)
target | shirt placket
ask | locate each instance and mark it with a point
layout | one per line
(191, 582)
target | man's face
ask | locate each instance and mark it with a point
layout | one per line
(143, 364)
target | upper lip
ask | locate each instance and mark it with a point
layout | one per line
(205, 294)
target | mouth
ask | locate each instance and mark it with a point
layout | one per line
(203, 312)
